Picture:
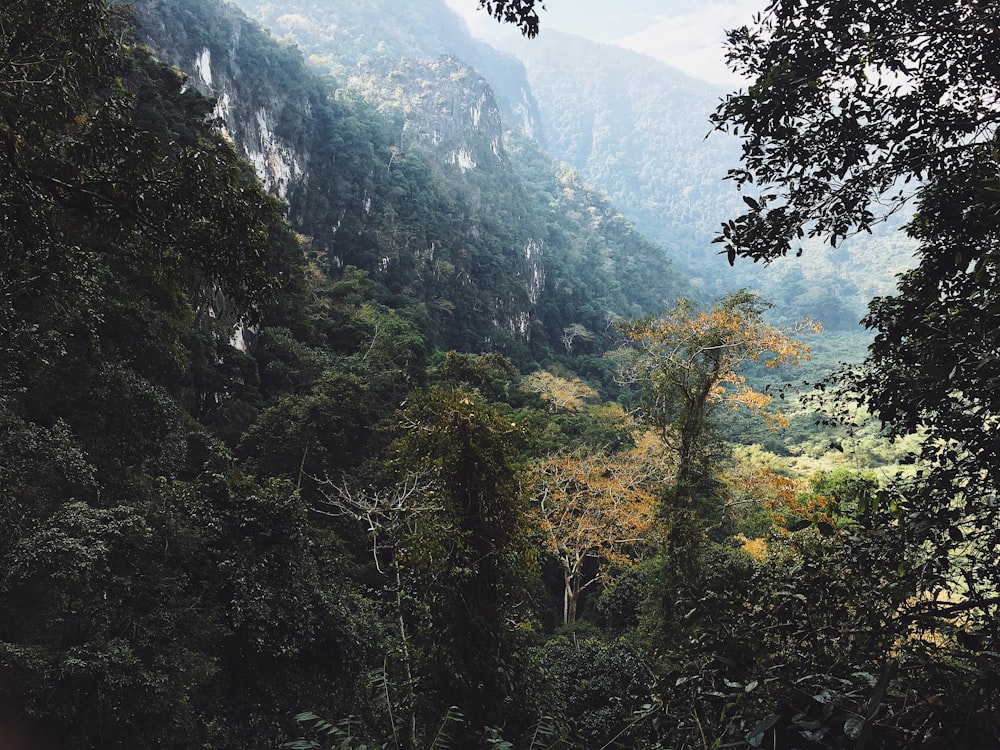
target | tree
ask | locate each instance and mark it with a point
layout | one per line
(593, 506)
(852, 108)
(561, 393)
(606, 687)
(392, 517)
(688, 361)
(467, 564)
(856, 111)
(573, 332)
(521, 13)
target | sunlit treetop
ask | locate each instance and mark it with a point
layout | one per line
(691, 356)
(561, 393)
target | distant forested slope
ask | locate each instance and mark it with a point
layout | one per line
(401, 170)
(636, 129)
(639, 130)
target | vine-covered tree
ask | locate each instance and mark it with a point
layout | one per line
(467, 566)
(688, 362)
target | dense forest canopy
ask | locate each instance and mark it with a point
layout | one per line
(333, 413)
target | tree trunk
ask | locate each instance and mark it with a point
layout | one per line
(571, 595)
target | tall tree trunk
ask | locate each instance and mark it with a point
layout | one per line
(571, 595)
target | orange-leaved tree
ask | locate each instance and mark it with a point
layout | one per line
(561, 392)
(688, 362)
(592, 507)
(787, 505)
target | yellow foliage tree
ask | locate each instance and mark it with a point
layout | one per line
(594, 506)
(788, 503)
(688, 361)
(561, 393)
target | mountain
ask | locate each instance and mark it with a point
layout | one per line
(336, 37)
(402, 170)
(631, 127)
(639, 130)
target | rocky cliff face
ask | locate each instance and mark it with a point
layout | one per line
(408, 169)
(214, 49)
(338, 37)
(368, 182)
(448, 109)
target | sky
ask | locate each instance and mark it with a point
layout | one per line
(687, 34)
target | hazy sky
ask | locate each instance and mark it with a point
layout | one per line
(687, 34)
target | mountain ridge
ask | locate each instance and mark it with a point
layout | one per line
(378, 176)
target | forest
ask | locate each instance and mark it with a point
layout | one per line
(336, 414)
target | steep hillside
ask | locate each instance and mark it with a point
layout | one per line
(640, 131)
(335, 37)
(631, 127)
(405, 175)
(636, 129)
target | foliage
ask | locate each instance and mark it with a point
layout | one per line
(689, 361)
(467, 561)
(520, 13)
(344, 734)
(603, 684)
(151, 586)
(593, 505)
(831, 131)
(209, 526)
(561, 393)
(855, 112)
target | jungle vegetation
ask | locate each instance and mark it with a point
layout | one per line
(275, 473)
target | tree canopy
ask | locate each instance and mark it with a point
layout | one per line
(688, 361)
(855, 111)
(853, 107)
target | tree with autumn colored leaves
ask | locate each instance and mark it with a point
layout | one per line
(688, 362)
(595, 507)
(559, 392)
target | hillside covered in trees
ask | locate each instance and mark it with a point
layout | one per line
(335, 412)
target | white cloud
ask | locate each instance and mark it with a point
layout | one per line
(479, 23)
(693, 41)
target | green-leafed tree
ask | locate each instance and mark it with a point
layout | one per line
(855, 112)
(153, 594)
(469, 564)
(605, 686)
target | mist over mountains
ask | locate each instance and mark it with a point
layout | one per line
(632, 127)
